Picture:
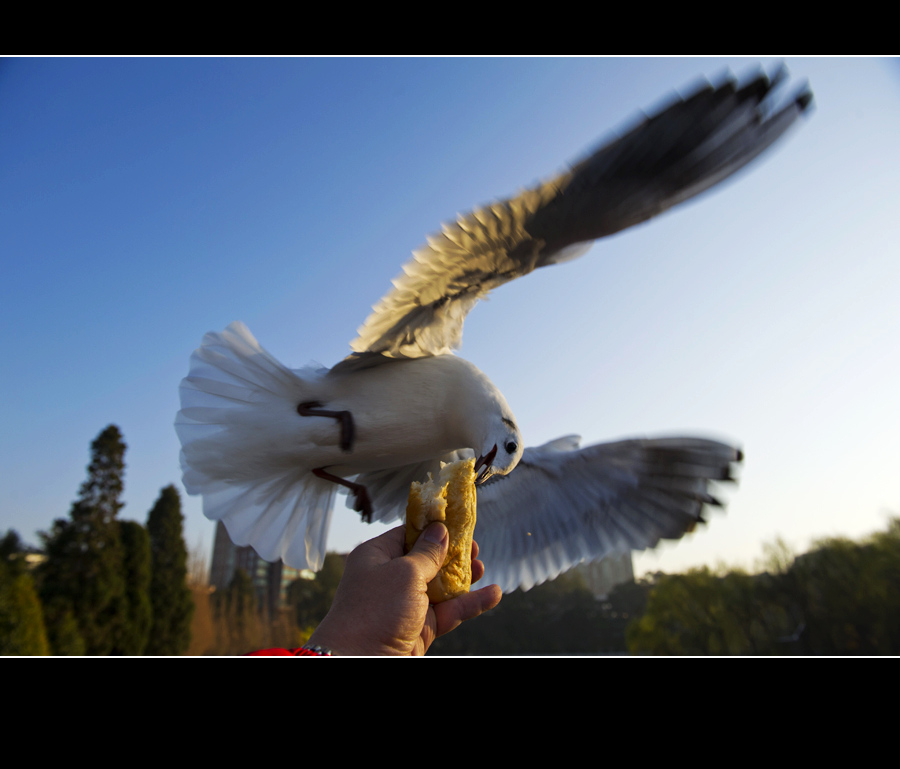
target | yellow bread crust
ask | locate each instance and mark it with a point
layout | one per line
(451, 499)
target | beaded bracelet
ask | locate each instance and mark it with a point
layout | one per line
(313, 650)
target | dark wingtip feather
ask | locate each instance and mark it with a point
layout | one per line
(759, 86)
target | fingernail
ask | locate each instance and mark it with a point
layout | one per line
(436, 533)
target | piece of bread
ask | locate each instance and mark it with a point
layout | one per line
(451, 499)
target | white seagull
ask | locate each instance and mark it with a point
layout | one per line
(268, 447)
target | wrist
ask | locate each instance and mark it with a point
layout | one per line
(322, 638)
(314, 650)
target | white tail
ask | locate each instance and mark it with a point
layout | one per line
(237, 427)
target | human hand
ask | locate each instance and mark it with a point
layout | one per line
(380, 606)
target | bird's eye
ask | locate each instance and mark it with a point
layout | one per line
(511, 447)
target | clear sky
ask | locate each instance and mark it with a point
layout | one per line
(144, 202)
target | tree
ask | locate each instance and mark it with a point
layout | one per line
(845, 594)
(106, 476)
(83, 570)
(839, 598)
(702, 612)
(170, 595)
(63, 634)
(134, 630)
(21, 617)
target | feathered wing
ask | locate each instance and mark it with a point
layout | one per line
(563, 505)
(237, 404)
(683, 150)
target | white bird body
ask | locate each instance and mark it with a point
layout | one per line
(266, 445)
(409, 411)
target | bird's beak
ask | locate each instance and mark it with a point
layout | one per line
(483, 463)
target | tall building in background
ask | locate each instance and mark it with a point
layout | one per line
(603, 575)
(221, 569)
(270, 579)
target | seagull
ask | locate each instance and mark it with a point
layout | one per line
(269, 447)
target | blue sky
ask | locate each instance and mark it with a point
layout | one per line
(144, 202)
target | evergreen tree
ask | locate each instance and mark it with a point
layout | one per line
(173, 604)
(136, 574)
(63, 634)
(83, 570)
(21, 617)
(106, 476)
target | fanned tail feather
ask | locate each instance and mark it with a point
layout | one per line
(238, 406)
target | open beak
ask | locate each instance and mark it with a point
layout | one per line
(483, 464)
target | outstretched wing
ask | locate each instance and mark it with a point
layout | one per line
(666, 159)
(563, 505)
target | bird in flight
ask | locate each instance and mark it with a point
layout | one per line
(269, 447)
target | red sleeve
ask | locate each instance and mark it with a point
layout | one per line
(299, 652)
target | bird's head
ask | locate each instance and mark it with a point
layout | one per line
(501, 448)
(485, 422)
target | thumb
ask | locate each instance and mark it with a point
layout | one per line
(431, 548)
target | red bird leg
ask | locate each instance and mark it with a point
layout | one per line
(363, 503)
(348, 430)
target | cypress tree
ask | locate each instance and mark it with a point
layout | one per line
(83, 571)
(136, 573)
(170, 596)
